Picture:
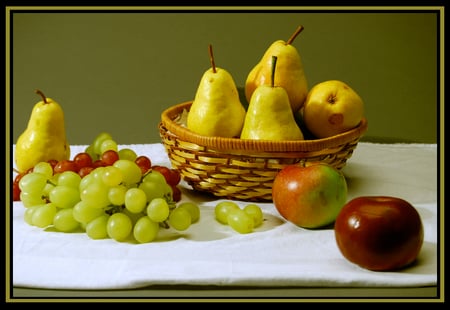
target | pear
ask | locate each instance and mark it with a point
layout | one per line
(269, 114)
(216, 109)
(290, 73)
(45, 136)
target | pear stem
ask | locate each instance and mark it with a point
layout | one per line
(37, 91)
(272, 77)
(295, 34)
(211, 58)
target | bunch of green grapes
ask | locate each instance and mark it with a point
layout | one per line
(120, 199)
(241, 220)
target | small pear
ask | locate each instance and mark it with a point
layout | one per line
(216, 109)
(290, 73)
(269, 114)
(45, 136)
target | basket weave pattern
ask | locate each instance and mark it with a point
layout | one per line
(240, 169)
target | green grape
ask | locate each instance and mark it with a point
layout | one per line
(119, 226)
(108, 144)
(180, 219)
(145, 230)
(255, 212)
(116, 195)
(130, 170)
(28, 214)
(154, 176)
(69, 178)
(97, 143)
(54, 179)
(240, 221)
(156, 190)
(33, 182)
(133, 216)
(83, 226)
(43, 215)
(96, 195)
(222, 210)
(86, 181)
(193, 209)
(84, 213)
(96, 229)
(126, 153)
(64, 196)
(158, 210)
(97, 173)
(44, 168)
(90, 150)
(64, 220)
(48, 187)
(31, 199)
(112, 176)
(135, 200)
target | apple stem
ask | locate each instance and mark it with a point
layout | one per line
(272, 77)
(40, 93)
(211, 58)
(295, 34)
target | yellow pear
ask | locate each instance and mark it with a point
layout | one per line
(332, 107)
(269, 114)
(290, 73)
(216, 109)
(45, 136)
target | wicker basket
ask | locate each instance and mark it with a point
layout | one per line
(241, 169)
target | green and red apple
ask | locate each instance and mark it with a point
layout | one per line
(311, 195)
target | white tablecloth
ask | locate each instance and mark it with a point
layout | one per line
(276, 254)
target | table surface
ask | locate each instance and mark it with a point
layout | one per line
(409, 171)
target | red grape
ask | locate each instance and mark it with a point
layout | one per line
(98, 163)
(175, 176)
(53, 163)
(144, 163)
(82, 159)
(172, 176)
(176, 193)
(109, 157)
(65, 165)
(84, 171)
(164, 171)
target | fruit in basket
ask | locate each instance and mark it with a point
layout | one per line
(309, 196)
(216, 109)
(379, 233)
(332, 107)
(45, 136)
(290, 73)
(269, 114)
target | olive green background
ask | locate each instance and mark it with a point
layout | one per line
(117, 71)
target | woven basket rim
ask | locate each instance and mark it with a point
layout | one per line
(169, 115)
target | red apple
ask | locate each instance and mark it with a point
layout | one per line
(309, 196)
(379, 233)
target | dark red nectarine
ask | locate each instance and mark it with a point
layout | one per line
(379, 233)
